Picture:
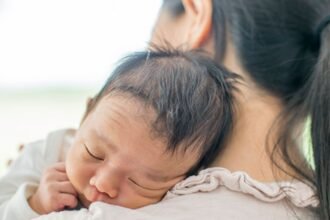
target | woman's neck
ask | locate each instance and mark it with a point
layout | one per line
(246, 149)
(256, 112)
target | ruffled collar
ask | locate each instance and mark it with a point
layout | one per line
(300, 194)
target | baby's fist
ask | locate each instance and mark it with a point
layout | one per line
(55, 191)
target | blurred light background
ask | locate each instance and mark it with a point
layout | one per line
(55, 54)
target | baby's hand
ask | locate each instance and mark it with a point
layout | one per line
(55, 191)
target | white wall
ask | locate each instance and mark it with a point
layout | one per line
(46, 45)
(69, 41)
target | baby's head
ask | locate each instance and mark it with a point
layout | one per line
(161, 116)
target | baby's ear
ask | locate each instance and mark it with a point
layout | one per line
(89, 102)
(89, 105)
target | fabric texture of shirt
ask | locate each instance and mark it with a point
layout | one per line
(215, 193)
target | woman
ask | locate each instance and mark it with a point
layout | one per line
(281, 50)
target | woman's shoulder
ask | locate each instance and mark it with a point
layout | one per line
(211, 179)
(220, 192)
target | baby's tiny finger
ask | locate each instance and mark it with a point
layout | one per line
(68, 200)
(67, 187)
(59, 176)
(59, 166)
(53, 175)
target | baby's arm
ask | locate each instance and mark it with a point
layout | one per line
(20, 182)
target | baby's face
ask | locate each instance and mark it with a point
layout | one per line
(116, 160)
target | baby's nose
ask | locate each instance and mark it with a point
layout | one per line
(106, 184)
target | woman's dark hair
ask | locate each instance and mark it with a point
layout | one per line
(189, 93)
(280, 45)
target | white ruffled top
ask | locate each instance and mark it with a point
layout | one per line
(300, 194)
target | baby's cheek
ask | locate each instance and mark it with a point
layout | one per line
(77, 171)
(132, 198)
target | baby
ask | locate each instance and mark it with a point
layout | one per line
(162, 116)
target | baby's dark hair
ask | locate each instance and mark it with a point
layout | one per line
(190, 94)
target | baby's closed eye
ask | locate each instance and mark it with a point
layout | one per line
(143, 186)
(93, 155)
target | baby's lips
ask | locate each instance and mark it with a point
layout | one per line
(95, 195)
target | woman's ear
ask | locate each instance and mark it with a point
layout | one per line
(200, 13)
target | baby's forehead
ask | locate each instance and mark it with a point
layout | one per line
(127, 105)
(137, 142)
(124, 103)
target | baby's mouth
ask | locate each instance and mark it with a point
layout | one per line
(92, 195)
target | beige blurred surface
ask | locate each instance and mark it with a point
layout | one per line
(28, 115)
